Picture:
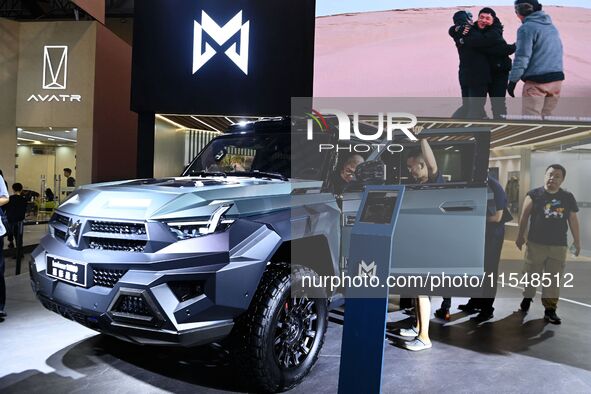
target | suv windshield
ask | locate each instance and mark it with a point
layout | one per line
(247, 154)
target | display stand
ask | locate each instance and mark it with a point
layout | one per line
(366, 308)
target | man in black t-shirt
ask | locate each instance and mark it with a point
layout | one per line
(550, 211)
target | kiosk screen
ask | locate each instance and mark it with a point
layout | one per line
(379, 207)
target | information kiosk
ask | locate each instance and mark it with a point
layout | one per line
(366, 306)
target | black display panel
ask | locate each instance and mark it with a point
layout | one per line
(379, 207)
(222, 57)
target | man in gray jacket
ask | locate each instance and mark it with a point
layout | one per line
(538, 60)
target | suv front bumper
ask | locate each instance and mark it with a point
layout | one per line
(172, 297)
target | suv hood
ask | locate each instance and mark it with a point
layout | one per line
(176, 198)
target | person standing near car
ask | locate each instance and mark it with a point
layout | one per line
(346, 174)
(4, 199)
(15, 213)
(422, 168)
(538, 60)
(550, 211)
(496, 217)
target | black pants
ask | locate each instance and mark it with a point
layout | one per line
(2, 283)
(477, 101)
(474, 98)
(14, 233)
(462, 112)
(497, 90)
(473, 101)
(492, 255)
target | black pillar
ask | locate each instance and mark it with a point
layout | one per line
(145, 144)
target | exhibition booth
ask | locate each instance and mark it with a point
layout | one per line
(200, 192)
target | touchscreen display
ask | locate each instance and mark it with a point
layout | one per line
(379, 207)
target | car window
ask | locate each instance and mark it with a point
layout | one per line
(308, 161)
(460, 159)
(291, 156)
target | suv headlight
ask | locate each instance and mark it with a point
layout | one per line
(193, 229)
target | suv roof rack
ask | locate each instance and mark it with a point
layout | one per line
(263, 124)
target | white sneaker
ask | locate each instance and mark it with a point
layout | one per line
(416, 345)
(408, 332)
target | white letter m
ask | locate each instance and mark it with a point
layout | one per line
(221, 35)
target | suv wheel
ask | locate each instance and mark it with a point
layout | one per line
(280, 336)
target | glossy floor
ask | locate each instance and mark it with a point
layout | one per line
(511, 353)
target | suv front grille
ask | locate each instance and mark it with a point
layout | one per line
(107, 277)
(60, 234)
(104, 235)
(121, 245)
(61, 219)
(118, 228)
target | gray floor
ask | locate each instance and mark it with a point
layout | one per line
(42, 352)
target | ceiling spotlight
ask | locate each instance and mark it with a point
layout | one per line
(51, 139)
(75, 129)
(242, 123)
(19, 129)
(50, 128)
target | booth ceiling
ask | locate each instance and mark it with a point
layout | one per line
(504, 134)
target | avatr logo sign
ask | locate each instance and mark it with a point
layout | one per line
(221, 35)
(403, 122)
(55, 75)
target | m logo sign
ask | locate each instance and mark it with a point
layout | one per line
(368, 270)
(220, 35)
(55, 66)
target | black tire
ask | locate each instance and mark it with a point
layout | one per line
(276, 342)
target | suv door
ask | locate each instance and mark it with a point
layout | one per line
(441, 227)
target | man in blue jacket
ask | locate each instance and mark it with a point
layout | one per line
(538, 60)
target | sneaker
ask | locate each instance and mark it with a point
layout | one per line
(525, 304)
(2, 314)
(409, 332)
(442, 313)
(551, 316)
(482, 316)
(416, 345)
(410, 311)
(468, 308)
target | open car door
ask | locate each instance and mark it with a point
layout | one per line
(441, 226)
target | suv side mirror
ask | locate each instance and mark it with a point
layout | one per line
(371, 173)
